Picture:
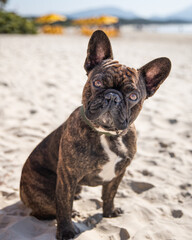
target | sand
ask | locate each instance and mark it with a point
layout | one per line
(41, 80)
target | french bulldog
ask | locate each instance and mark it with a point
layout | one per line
(96, 143)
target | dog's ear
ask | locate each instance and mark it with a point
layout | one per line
(99, 48)
(154, 73)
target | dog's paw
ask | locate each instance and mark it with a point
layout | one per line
(75, 214)
(77, 197)
(65, 234)
(115, 213)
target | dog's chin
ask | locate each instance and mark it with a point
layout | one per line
(107, 123)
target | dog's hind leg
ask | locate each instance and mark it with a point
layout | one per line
(38, 193)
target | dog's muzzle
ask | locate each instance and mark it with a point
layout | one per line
(108, 111)
(115, 112)
(113, 98)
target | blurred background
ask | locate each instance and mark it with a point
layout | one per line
(52, 16)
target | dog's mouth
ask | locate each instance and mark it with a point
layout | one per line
(109, 123)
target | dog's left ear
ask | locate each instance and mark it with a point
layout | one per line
(99, 48)
(154, 73)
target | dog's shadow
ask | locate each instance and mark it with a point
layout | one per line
(17, 224)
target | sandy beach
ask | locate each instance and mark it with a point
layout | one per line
(41, 80)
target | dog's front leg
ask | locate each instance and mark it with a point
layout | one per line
(65, 190)
(108, 193)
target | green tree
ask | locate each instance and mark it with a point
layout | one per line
(12, 23)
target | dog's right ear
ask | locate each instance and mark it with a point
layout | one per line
(99, 49)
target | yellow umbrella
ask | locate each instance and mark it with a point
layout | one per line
(51, 18)
(103, 20)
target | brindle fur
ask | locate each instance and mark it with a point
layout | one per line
(72, 155)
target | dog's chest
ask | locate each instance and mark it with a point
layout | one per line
(114, 153)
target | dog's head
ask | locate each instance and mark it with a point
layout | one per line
(113, 94)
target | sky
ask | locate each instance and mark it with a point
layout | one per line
(144, 8)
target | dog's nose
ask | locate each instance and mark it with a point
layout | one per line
(113, 97)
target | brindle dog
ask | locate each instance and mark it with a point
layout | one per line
(96, 143)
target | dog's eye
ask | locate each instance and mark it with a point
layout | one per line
(97, 83)
(133, 97)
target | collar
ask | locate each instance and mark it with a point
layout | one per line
(91, 125)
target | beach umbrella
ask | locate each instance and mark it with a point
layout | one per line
(102, 20)
(50, 18)
(104, 23)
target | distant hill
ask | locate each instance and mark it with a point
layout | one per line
(182, 16)
(129, 17)
(112, 11)
(185, 14)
